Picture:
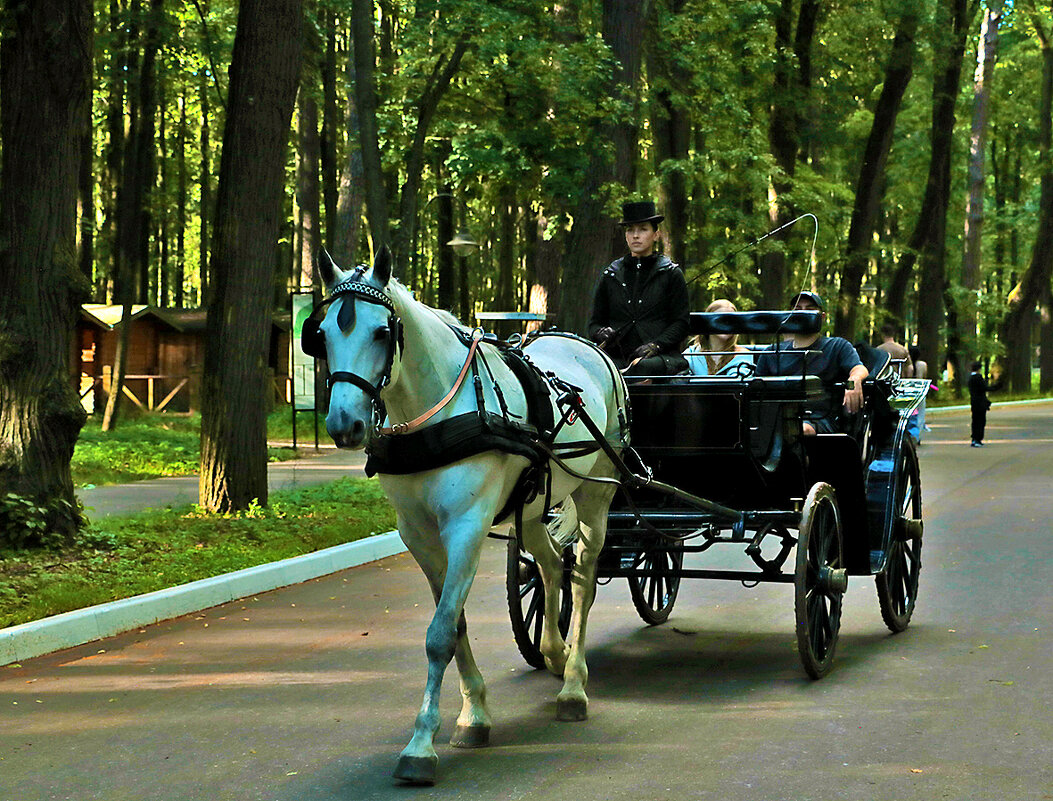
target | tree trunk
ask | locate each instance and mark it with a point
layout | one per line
(182, 181)
(133, 214)
(1045, 346)
(671, 124)
(589, 243)
(871, 174)
(264, 74)
(86, 200)
(369, 137)
(308, 191)
(1034, 285)
(783, 142)
(352, 192)
(438, 83)
(205, 188)
(544, 292)
(974, 213)
(927, 240)
(45, 82)
(330, 131)
(506, 243)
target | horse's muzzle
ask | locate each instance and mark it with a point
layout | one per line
(351, 437)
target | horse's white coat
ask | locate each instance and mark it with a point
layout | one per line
(444, 514)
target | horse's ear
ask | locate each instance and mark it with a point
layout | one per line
(327, 269)
(382, 265)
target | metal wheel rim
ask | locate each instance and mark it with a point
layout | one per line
(818, 611)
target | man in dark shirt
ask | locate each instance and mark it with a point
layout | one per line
(640, 309)
(833, 359)
(978, 404)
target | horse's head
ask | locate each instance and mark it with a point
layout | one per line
(358, 335)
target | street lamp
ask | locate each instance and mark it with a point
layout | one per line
(462, 243)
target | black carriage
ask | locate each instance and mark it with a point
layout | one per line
(721, 460)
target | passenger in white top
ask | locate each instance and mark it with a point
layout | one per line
(718, 354)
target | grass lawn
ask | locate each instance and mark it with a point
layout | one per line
(153, 550)
(156, 445)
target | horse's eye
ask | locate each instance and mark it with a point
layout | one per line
(381, 333)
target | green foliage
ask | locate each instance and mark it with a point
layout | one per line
(157, 549)
(153, 446)
(25, 523)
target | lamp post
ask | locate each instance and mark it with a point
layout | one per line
(461, 243)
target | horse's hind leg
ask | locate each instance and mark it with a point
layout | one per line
(540, 544)
(593, 502)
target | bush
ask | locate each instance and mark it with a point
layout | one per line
(26, 524)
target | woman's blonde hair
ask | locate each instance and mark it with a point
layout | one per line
(717, 363)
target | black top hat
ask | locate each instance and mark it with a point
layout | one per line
(814, 298)
(640, 211)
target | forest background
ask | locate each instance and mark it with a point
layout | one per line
(202, 152)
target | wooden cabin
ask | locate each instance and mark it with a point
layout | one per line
(166, 354)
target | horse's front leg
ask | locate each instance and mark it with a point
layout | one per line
(593, 502)
(445, 638)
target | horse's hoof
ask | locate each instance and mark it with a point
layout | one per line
(572, 709)
(476, 736)
(416, 770)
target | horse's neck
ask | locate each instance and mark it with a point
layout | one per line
(432, 357)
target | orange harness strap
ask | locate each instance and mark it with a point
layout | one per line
(417, 422)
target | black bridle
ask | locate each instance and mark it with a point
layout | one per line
(312, 340)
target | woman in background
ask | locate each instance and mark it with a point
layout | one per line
(718, 354)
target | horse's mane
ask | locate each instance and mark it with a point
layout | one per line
(403, 297)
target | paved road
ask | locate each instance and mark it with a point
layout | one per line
(328, 464)
(309, 692)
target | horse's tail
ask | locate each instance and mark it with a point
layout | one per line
(563, 527)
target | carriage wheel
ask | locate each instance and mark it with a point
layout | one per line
(654, 595)
(820, 581)
(526, 600)
(897, 584)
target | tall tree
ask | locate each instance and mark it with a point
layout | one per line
(927, 242)
(871, 172)
(365, 65)
(590, 242)
(793, 45)
(1034, 286)
(264, 74)
(131, 275)
(974, 211)
(45, 82)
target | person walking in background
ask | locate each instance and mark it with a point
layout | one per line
(978, 404)
(904, 363)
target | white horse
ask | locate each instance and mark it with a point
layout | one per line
(389, 353)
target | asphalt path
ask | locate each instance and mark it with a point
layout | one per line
(309, 692)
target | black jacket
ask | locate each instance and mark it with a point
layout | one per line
(978, 392)
(643, 300)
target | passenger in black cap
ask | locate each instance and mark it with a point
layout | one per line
(640, 309)
(833, 359)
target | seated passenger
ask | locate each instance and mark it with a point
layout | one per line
(719, 354)
(835, 361)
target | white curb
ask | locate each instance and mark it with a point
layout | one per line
(80, 626)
